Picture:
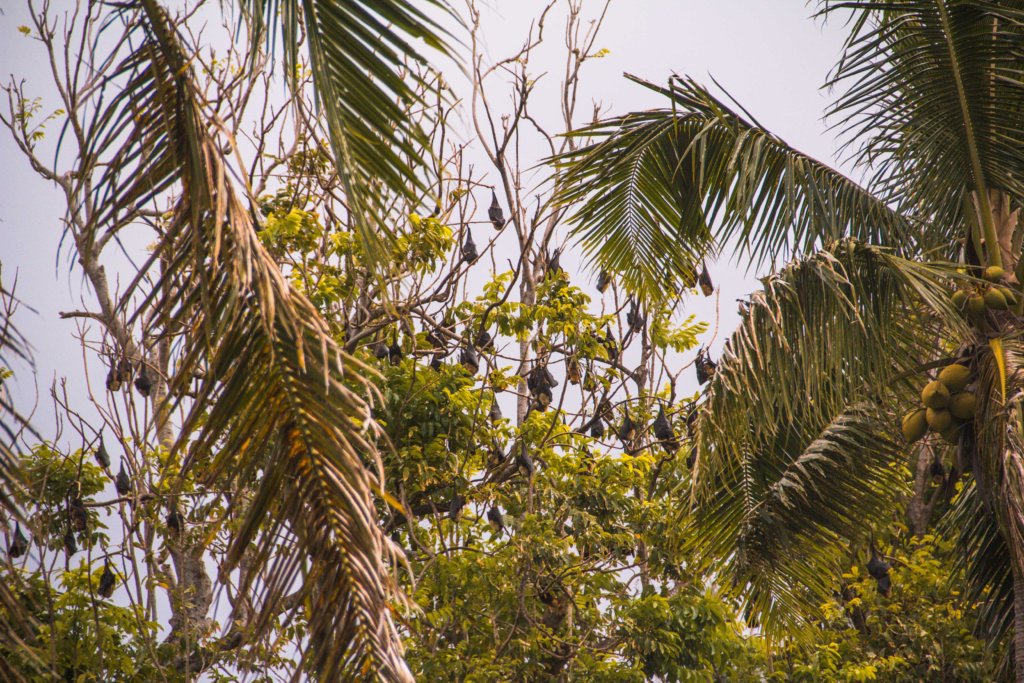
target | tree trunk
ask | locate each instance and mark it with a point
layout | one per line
(918, 511)
(1013, 532)
(1018, 623)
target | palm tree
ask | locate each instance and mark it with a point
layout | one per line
(361, 55)
(13, 348)
(800, 452)
(278, 401)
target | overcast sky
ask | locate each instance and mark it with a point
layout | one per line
(769, 54)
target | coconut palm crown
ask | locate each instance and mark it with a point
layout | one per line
(800, 450)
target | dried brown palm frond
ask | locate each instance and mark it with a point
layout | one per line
(13, 347)
(17, 623)
(279, 404)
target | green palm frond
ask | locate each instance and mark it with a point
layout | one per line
(650, 183)
(825, 333)
(11, 424)
(13, 345)
(277, 407)
(985, 562)
(983, 565)
(642, 220)
(794, 504)
(932, 101)
(989, 514)
(934, 97)
(358, 51)
(10, 479)
(797, 448)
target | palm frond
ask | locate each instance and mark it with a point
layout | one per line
(19, 623)
(11, 424)
(797, 446)
(984, 565)
(793, 505)
(13, 347)
(989, 514)
(13, 344)
(278, 405)
(358, 51)
(825, 333)
(650, 184)
(934, 99)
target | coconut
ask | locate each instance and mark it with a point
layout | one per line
(955, 377)
(994, 273)
(939, 420)
(915, 425)
(935, 395)
(963, 405)
(995, 300)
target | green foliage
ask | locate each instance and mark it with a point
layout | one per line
(53, 479)
(689, 636)
(93, 639)
(580, 582)
(922, 631)
(591, 578)
(533, 546)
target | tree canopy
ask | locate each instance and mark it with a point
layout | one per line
(366, 415)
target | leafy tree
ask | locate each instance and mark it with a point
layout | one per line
(299, 407)
(575, 582)
(922, 630)
(800, 451)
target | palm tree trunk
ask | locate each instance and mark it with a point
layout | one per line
(1013, 522)
(1018, 623)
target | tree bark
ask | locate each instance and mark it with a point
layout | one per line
(1018, 623)
(922, 503)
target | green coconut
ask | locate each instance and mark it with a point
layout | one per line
(963, 405)
(995, 300)
(935, 395)
(939, 420)
(994, 273)
(975, 305)
(955, 377)
(915, 425)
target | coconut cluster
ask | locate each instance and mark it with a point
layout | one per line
(946, 406)
(992, 295)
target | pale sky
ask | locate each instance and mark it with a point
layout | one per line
(769, 54)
